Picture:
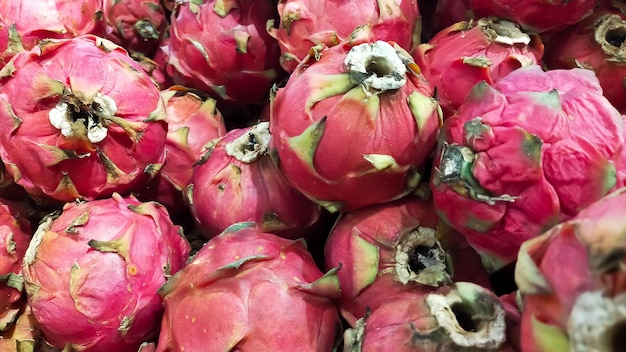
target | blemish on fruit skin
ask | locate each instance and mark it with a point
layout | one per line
(132, 270)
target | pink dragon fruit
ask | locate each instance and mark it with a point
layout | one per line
(193, 121)
(238, 180)
(25, 23)
(92, 273)
(596, 43)
(573, 282)
(537, 16)
(79, 119)
(372, 85)
(247, 290)
(523, 155)
(307, 23)
(460, 317)
(222, 47)
(137, 25)
(466, 53)
(390, 249)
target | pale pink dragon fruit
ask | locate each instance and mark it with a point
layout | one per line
(390, 249)
(80, 119)
(238, 180)
(596, 43)
(573, 281)
(222, 47)
(466, 53)
(307, 23)
(193, 121)
(250, 291)
(25, 23)
(460, 317)
(537, 16)
(523, 155)
(355, 127)
(136, 25)
(92, 273)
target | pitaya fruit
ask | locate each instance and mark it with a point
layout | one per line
(466, 53)
(307, 23)
(355, 127)
(524, 154)
(247, 290)
(460, 317)
(25, 23)
(136, 25)
(537, 16)
(238, 180)
(596, 43)
(572, 280)
(387, 250)
(222, 47)
(79, 119)
(92, 273)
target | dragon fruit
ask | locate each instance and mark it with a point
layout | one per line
(25, 23)
(238, 180)
(572, 280)
(524, 154)
(247, 290)
(92, 273)
(460, 317)
(370, 84)
(307, 23)
(137, 25)
(390, 249)
(596, 43)
(537, 16)
(79, 119)
(222, 47)
(466, 53)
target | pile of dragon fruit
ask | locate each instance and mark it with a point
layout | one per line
(310, 175)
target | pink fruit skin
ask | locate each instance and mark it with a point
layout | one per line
(573, 259)
(99, 266)
(230, 56)
(466, 53)
(534, 148)
(247, 290)
(38, 20)
(536, 15)
(312, 124)
(227, 190)
(306, 23)
(137, 25)
(53, 165)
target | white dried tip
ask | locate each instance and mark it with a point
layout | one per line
(504, 32)
(470, 316)
(65, 117)
(376, 66)
(597, 323)
(251, 145)
(420, 258)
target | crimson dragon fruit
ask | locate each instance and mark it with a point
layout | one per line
(222, 47)
(92, 273)
(247, 290)
(238, 180)
(523, 155)
(79, 119)
(25, 23)
(137, 25)
(466, 53)
(596, 43)
(536, 15)
(391, 249)
(460, 317)
(307, 23)
(573, 281)
(354, 127)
